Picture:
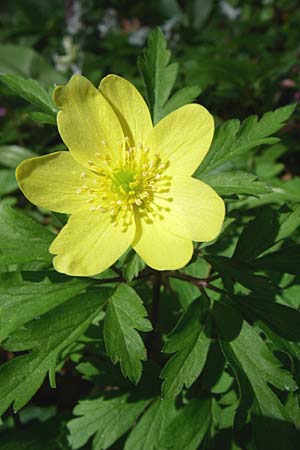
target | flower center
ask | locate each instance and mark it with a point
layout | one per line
(135, 184)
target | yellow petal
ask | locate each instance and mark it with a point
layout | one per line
(52, 182)
(129, 106)
(160, 249)
(90, 243)
(86, 122)
(196, 210)
(183, 137)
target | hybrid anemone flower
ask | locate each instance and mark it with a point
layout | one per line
(124, 182)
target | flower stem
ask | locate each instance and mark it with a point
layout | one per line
(154, 311)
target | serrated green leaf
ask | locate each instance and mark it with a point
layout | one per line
(233, 270)
(233, 139)
(47, 337)
(285, 260)
(258, 235)
(132, 266)
(289, 222)
(283, 320)
(31, 91)
(180, 98)
(148, 431)
(12, 155)
(188, 428)
(21, 239)
(124, 315)
(266, 165)
(190, 344)
(158, 74)
(31, 299)
(258, 363)
(107, 418)
(233, 183)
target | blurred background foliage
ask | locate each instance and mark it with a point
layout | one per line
(243, 56)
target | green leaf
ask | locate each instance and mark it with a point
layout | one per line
(266, 165)
(158, 74)
(25, 61)
(285, 260)
(12, 155)
(233, 270)
(180, 98)
(124, 315)
(148, 431)
(258, 235)
(199, 12)
(264, 231)
(8, 182)
(132, 266)
(21, 239)
(31, 91)
(107, 418)
(283, 320)
(234, 183)
(258, 363)
(47, 338)
(41, 117)
(32, 298)
(189, 427)
(289, 222)
(233, 139)
(190, 344)
(46, 436)
(274, 434)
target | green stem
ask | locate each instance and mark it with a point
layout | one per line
(154, 311)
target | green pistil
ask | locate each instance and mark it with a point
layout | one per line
(123, 178)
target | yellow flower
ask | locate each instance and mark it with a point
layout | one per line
(124, 182)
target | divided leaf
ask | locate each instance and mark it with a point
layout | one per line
(233, 270)
(285, 260)
(125, 314)
(258, 235)
(21, 239)
(47, 338)
(283, 320)
(246, 350)
(148, 431)
(159, 76)
(31, 299)
(233, 139)
(234, 183)
(190, 342)
(107, 418)
(31, 91)
(189, 427)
